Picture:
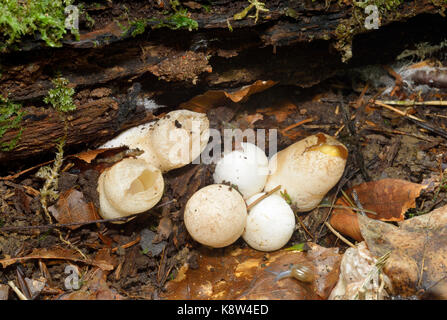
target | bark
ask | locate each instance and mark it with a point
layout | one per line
(94, 121)
(295, 43)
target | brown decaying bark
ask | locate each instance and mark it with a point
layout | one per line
(92, 121)
(293, 51)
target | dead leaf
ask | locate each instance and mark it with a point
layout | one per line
(235, 273)
(57, 254)
(252, 118)
(388, 198)
(418, 259)
(90, 155)
(95, 287)
(104, 258)
(281, 111)
(72, 207)
(35, 286)
(213, 98)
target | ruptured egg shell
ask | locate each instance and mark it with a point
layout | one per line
(246, 168)
(128, 187)
(308, 169)
(179, 137)
(270, 223)
(173, 141)
(137, 138)
(215, 215)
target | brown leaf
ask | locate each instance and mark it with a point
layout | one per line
(56, 254)
(104, 258)
(213, 98)
(389, 198)
(281, 110)
(95, 287)
(252, 118)
(90, 155)
(418, 259)
(72, 207)
(236, 273)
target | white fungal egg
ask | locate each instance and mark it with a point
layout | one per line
(215, 215)
(171, 142)
(270, 223)
(128, 187)
(308, 169)
(136, 138)
(246, 168)
(179, 137)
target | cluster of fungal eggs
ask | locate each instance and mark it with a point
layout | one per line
(217, 215)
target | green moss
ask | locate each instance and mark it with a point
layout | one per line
(61, 96)
(42, 18)
(138, 27)
(178, 20)
(382, 5)
(11, 115)
(259, 7)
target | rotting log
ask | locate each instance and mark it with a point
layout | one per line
(295, 43)
(92, 121)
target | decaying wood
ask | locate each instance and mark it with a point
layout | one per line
(93, 121)
(293, 44)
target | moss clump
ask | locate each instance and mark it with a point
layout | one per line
(259, 7)
(382, 5)
(138, 27)
(11, 115)
(61, 96)
(43, 18)
(178, 20)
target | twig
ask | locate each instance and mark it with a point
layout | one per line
(421, 123)
(345, 207)
(304, 227)
(263, 197)
(404, 114)
(358, 203)
(296, 125)
(127, 245)
(349, 243)
(17, 291)
(413, 103)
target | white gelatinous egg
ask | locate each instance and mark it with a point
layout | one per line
(270, 223)
(216, 215)
(246, 168)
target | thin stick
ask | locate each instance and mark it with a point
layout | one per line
(127, 245)
(304, 227)
(17, 291)
(404, 114)
(296, 125)
(263, 197)
(346, 207)
(349, 243)
(413, 103)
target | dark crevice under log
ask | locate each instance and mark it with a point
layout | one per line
(173, 66)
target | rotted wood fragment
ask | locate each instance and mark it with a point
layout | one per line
(91, 123)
